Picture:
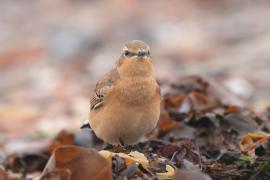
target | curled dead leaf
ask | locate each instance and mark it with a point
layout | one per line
(167, 175)
(173, 101)
(252, 140)
(166, 124)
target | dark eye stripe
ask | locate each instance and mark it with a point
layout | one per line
(127, 53)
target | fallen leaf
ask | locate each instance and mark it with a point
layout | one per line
(62, 138)
(181, 150)
(167, 175)
(165, 124)
(173, 101)
(130, 158)
(252, 140)
(200, 101)
(83, 164)
(241, 122)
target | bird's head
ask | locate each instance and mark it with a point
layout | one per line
(135, 59)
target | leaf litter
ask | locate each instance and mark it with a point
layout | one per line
(199, 136)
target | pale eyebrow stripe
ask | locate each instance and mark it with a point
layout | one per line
(125, 48)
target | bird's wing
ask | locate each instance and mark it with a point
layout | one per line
(103, 87)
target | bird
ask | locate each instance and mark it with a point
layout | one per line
(126, 101)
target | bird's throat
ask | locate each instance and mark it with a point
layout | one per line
(136, 91)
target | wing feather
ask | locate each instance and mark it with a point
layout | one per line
(103, 87)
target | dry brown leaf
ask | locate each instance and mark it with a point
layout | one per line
(83, 163)
(232, 109)
(174, 101)
(165, 124)
(252, 140)
(62, 138)
(200, 101)
(181, 151)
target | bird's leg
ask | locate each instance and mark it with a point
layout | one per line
(135, 147)
(121, 142)
(129, 147)
(120, 147)
(107, 146)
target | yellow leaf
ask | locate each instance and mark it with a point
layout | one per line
(167, 175)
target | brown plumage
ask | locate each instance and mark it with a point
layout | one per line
(126, 101)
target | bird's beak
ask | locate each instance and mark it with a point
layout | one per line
(141, 53)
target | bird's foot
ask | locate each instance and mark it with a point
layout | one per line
(133, 148)
(119, 149)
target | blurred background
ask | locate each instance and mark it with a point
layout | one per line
(53, 52)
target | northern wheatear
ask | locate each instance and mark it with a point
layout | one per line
(126, 101)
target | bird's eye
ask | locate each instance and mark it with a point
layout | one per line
(127, 53)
